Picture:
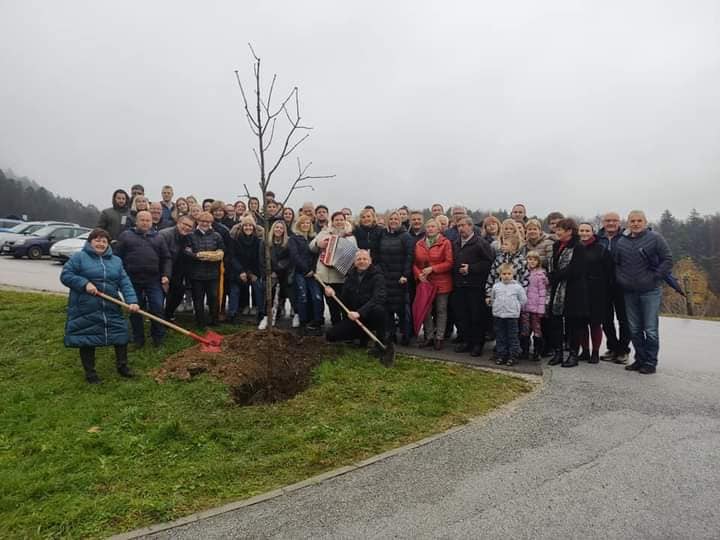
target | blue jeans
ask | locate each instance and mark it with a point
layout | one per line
(309, 299)
(258, 295)
(642, 314)
(507, 341)
(150, 298)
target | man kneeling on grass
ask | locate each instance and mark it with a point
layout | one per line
(364, 294)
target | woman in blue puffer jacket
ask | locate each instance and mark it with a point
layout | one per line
(91, 321)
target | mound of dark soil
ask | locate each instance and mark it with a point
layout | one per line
(258, 366)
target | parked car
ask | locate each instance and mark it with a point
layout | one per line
(64, 249)
(37, 244)
(7, 223)
(25, 228)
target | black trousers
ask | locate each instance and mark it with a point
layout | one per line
(452, 320)
(202, 289)
(347, 329)
(471, 315)
(402, 317)
(572, 326)
(336, 312)
(87, 357)
(616, 307)
(175, 294)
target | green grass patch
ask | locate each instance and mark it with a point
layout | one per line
(157, 452)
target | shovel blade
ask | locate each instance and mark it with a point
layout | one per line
(213, 339)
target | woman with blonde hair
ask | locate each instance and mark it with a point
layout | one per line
(246, 269)
(510, 253)
(180, 208)
(308, 295)
(195, 211)
(491, 229)
(394, 257)
(366, 232)
(509, 229)
(139, 203)
(433, 263)
(279, 263)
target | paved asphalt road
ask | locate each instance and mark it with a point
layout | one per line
(598, 453)
(42, 275)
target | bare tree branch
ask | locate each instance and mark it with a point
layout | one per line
(303, 177)
(245, 103)
(272, 134)
(255, 56)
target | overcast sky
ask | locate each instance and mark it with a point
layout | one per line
(581, 106)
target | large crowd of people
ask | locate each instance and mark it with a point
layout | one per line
(547, 287)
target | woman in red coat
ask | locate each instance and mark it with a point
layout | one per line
(433, 263)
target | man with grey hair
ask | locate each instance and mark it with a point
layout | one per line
(642, 261)
(457, 212)
(148, 263)
(618, 343)
(364, 294)
(472, 258)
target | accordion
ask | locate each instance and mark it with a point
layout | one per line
(339, 254)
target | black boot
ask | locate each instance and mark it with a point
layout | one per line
(524, 347)
(557, 358)
(572, 360)
(87, 357)
(594, 358)
(584, 356)
(537, 347)
(121, 361)
(477, 349)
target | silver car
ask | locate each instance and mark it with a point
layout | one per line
(63, 250)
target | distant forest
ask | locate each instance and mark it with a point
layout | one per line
(20, 196)
(695, 241)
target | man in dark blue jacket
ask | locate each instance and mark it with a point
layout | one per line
(642, 260)
(147, 261)
(618, 344)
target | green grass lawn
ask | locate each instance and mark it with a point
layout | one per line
(162, 451)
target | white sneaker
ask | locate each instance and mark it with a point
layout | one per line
(296, 321)
(246, 310)
(253, 311)
(263, 324)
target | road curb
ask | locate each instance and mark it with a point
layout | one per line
(502, 411)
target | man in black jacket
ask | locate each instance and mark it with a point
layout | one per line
(148, 264)
(472, 259)
(364, 294)
(177, 239)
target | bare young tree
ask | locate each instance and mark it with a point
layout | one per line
(262, 117)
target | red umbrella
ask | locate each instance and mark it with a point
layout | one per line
(424, 296)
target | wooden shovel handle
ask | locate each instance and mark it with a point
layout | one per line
(146, 314)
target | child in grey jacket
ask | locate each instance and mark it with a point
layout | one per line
(507, 298)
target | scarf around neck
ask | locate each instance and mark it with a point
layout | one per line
(430, 241)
